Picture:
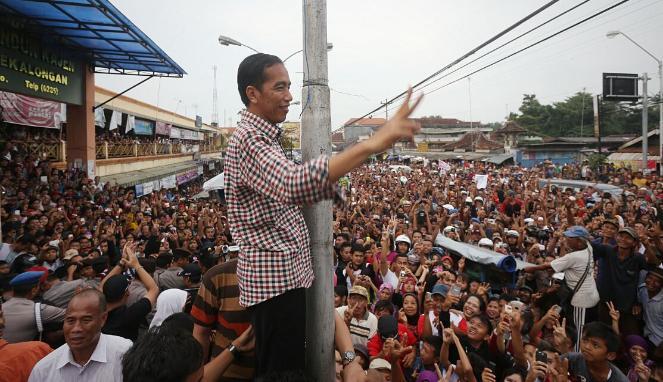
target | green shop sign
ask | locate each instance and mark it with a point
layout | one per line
(31, 68)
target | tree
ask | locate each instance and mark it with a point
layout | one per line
(574, 116)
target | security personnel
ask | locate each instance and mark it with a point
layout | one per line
(23, 322)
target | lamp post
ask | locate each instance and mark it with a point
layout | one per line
(227, 41)
(613, 34)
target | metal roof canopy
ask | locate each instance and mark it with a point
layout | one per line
(98, 30)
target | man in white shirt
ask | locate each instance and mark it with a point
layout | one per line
(574, 265)
(88, 355)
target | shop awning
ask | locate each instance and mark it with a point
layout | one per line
(498, 159)
(132, 178)
(98, 31)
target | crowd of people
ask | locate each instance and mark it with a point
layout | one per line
(104, 267)
(99, 284)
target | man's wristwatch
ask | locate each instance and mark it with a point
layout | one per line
(347, 357)
(233, 350)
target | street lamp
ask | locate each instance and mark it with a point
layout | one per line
(613, 34)
(227, 41)
(330, 46)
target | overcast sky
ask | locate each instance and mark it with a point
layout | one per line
(382, 46)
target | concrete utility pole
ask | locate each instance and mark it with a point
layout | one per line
(645, 121)
(316, 140)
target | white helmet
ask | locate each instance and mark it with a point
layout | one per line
(404, 239)
(486, 242)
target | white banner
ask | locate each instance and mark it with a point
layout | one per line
(482, 181)
(148, 188)
(168, 182)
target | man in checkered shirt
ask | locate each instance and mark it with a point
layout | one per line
(265, 192)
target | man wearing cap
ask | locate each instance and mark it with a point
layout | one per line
(124, 320)
(433, 321)
(577, 266)
(23, 321)
(191, 275)
(618, 275)
(362, 323)
(650, 296)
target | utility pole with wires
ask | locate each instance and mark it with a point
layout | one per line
(386, 107)
(316, 140)
(582, 112)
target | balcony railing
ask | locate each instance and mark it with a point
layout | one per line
(56, 151)
(52, 151)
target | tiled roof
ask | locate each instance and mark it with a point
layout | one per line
(474, 140)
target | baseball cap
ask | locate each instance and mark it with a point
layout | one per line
(440, 289)
(69, 254)
(360, 290)
(630, 231)
(614, 222)
(413, 259)
(115, 287)
(380, 363)
(26, 278)
(512, 233)
(658, 272)
(576, 231)
(191, 270)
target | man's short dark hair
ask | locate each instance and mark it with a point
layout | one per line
(162, 355)
(251, 72)
(358, 248)
(164, 260)
(341, 290)
(435, 342)
(600, 330)
(384, 304)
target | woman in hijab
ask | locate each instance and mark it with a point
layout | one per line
(169, 302)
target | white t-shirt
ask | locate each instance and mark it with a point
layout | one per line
(390, 278)
(573, 265)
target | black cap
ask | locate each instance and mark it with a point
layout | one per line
(388, 326)
(115, 287)
(191, 270)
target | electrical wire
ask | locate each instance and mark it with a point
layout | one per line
(530, 46)
(508, 42)
(463, 57)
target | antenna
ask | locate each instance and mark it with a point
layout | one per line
(215, 101)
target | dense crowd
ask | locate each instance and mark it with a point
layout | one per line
(146, 287)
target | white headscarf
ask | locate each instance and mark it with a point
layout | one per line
(169, 302)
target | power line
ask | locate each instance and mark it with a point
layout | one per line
(508, 42)
(463, 57)
(530, 46)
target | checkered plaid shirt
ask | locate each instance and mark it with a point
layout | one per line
(264, 191)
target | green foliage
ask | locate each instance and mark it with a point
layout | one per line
(574, 117)
(596, 160)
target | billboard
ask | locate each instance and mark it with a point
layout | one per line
(143, 127)
(24, 110)
(29, 67)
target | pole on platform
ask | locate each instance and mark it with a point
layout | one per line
(645, 121)
(316, 140)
